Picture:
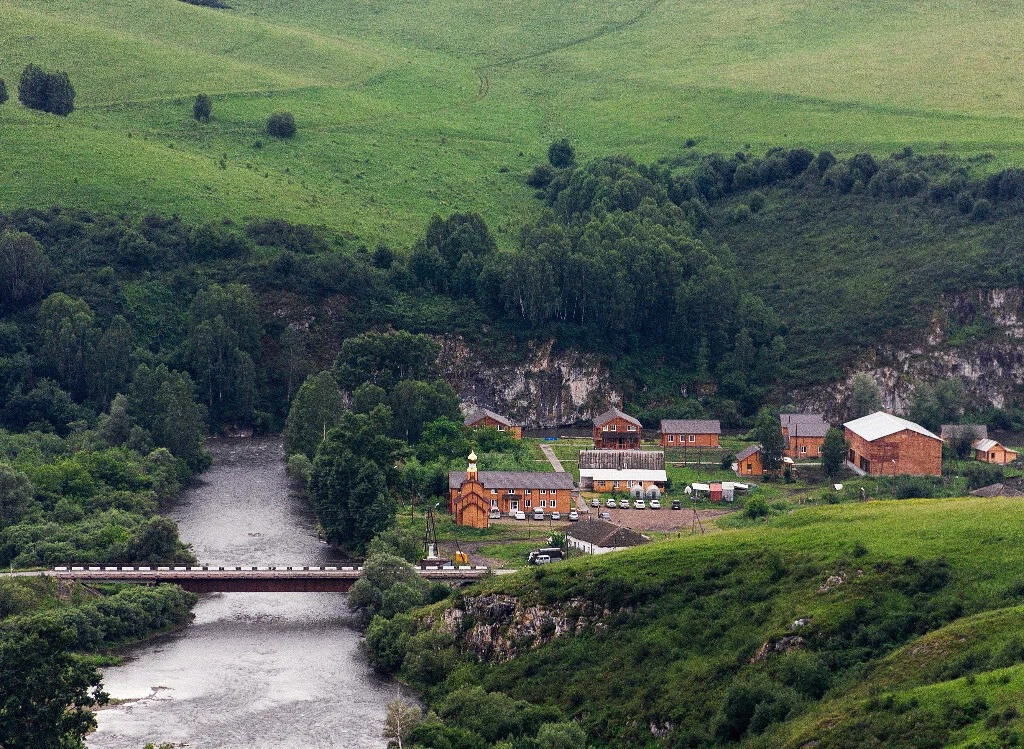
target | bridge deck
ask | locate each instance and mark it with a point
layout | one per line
(208, 579)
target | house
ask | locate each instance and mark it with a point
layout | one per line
(804, 435)
(615, 430)
(473, 495)
(883, 444)
(601, 537)
(690, 432)
(748, 462)
(482, 417)
(990, 451)
(621, 479)
(971, 433)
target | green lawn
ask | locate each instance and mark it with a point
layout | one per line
(413, 108)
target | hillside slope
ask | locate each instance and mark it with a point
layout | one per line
(406, 109)
(885, 623)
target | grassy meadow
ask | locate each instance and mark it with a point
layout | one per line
(406, 109)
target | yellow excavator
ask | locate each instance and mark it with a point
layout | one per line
(431, 553)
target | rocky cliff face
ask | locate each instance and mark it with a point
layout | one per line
(496, 628)
(977, 337)
(545, 389)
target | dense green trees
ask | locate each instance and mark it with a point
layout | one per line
(202, 108)
(932, 405)
(316, 409)
(384, 359)
(768, 432)
(46, 91)
(281, 125)
(561, 154)
(833, 453)
(864, 397)
(24, 270)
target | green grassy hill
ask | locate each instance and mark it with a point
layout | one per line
(890, 624)
(406, 109)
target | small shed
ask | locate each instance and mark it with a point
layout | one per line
(716, 492)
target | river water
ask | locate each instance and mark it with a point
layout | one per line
(255, 670)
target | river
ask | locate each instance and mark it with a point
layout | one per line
(255, 670)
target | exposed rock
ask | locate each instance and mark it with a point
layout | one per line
(989, 362)
(800, 623)
(497, 628)
(778, 646)
(544, 389)
(831, 583)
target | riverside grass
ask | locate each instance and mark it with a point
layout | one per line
(407, 109)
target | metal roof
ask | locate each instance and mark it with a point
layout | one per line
(604, 534)
(747, 452)
(625, 474)
(985, 445)
(613, 413)
(691, 426)
(880, 424)
(479, 413)
(804, 425)
(515, 480)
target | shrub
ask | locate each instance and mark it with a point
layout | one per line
(561, 154)
(208, 3)
(756, 508)
(982, 474)
(981, 211)
(203, 108)
(541, 176)
(281, 125)
(4, 96)
(46, 92)
(300, 468)
(757, 201)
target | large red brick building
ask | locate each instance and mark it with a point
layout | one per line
(690, 432)
(473, 495)
(615, 430)
(482, 417)
(885, 445)
(804, 435)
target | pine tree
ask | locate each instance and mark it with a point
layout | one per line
(833, 453)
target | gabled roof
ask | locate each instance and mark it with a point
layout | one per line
(691, 426)
(804, 425)
(515, 480)
(977, 431)
(479, 414)
(614, 413)
(984, 445)
(624, 474)
(747, 452)
(880, 424)
(606, 535)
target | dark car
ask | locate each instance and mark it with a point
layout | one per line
(676, 504)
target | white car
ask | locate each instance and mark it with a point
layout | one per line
(520, 515)
(538, 514)
(556, 516)
(610, 504)
(595, 502)
(640, 504)
(655, 504)
(623, 504)
(573, 516)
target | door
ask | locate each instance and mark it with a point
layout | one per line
(513, 505)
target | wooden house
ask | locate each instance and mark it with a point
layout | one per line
(615, 430)
(506, 492)
(990, 451)
(804, 435)
(690, 432)
(885, 445)
(482, 417)
(748, 462)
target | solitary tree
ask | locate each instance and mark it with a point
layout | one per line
(833, 453)
(561, 154)
(864, 397)
(400, 721)
(281, 125)
(203, 108)
(47, 92)
(768, 431)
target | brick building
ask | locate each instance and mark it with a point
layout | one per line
(482, 417)
(615, 430)
(748, 462)
(885, 445)
(690, 432)
(804, 434)
(473, 495)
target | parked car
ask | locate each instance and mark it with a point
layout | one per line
(542, 559)
(595, 502)
(655, 504)
(494, 514)
(606, 516)
(610, 504)
(538, 514)
(639, 504)
(573, 516)
(623, 504)
(551, 552)
(556, 516)
(520, 515)
(676, 504)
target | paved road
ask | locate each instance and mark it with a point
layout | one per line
(555, 462)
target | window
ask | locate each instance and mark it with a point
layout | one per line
(671, 438)
(611, 428)
(803, 448)
(529, 492)
(616, 484)
(750, 467)
(543, 503)
(529, 502)
(494, 504)
(501, 428)
(543, 491)
(691, 437)
(632, 429)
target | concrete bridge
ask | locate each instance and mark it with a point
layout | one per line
(209, 579)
